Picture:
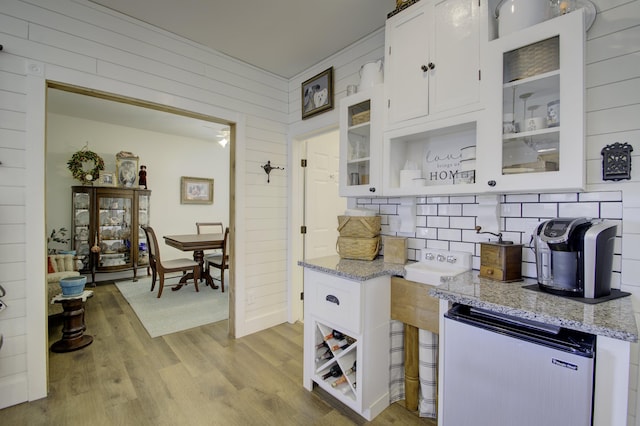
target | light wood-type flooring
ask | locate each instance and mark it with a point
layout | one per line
(195, 377)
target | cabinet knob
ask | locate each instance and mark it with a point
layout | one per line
(372, 189)
(491, 183)
(431, 65)
(424, 68)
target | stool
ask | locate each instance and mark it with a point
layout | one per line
(73, 337)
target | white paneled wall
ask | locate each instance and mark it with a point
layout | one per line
(79, 43)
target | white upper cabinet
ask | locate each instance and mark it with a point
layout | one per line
(361, 143)
(535, 109)
(432, 60)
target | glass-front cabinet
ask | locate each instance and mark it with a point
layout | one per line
(360, 143)
(106, 231)
(536, 109)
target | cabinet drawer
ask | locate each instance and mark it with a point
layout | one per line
(338, 304)
(492, 273)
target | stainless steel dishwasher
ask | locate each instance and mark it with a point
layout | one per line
(501, 370)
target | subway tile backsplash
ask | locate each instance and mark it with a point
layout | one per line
(448, 223)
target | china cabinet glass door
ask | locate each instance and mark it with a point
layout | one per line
(114, 229)
(143, 220)
(81, 226)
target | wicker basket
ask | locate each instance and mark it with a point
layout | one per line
(358, 248)
(359, 226)
(534, 59)
(361, 117)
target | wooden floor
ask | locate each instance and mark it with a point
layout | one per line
(195, 377)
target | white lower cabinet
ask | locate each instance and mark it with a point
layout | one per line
(346, 339)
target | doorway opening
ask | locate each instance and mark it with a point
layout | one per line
(178, 142)
(316, 204)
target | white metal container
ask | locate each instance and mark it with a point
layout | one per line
(371, 74)
(514, 15)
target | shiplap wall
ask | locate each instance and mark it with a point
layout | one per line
(77, 42)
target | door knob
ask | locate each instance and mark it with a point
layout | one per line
(431, 65)
(424, 68)
(491, 183)
(372, 190)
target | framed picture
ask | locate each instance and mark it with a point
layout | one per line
(107, 179)
(195, 190)
(126, 169)
(317, 94)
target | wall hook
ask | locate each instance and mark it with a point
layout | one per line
(268, 167)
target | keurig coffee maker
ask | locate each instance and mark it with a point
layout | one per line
(574, 256)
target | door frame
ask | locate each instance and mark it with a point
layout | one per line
(37, 81)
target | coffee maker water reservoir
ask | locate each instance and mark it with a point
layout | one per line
(574, 256)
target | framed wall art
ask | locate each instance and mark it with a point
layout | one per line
(317, 94)
(194, 190)
(107, 179)
(126, 169)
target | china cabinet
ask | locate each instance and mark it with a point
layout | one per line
(361, 143)
(110, 218)
(535, 108)
(432, 59)
(346, 340)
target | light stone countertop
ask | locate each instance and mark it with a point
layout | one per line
(356, 270)
(613, 319)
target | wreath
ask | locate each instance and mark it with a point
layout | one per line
(80, 157)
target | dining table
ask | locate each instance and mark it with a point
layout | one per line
(197, 243)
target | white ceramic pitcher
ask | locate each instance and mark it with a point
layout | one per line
(370, 75)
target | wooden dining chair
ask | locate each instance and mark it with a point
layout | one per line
(210, 228)
(220, 261)
(160, 268)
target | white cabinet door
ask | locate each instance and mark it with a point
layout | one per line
(455, 55)
(432, 59)
(361, 143)
(407, 54)
(536, 86)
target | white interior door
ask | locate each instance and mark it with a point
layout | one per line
(322, 202)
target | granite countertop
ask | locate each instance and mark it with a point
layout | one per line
(614, 318)
(356, 270)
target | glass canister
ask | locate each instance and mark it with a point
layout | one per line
(560, 7)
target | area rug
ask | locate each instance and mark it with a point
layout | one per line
(175, 310)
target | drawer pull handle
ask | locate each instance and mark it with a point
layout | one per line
(332, 299)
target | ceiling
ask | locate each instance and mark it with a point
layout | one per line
(284, 37)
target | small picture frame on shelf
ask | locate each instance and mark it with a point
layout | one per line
(194, 190)
(107, 179)
(126, 169)
(317, 94)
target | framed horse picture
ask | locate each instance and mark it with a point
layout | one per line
(317, 94)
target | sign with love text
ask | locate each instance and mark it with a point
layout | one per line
(441, 156)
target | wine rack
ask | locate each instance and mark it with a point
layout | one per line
(346, 339)
(343, 351)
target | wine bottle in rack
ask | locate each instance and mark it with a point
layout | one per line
(322, 345)
(341, 345)
(351, 370)
(342, 379)
(334, 371)
(334, 334)
(327, 355)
